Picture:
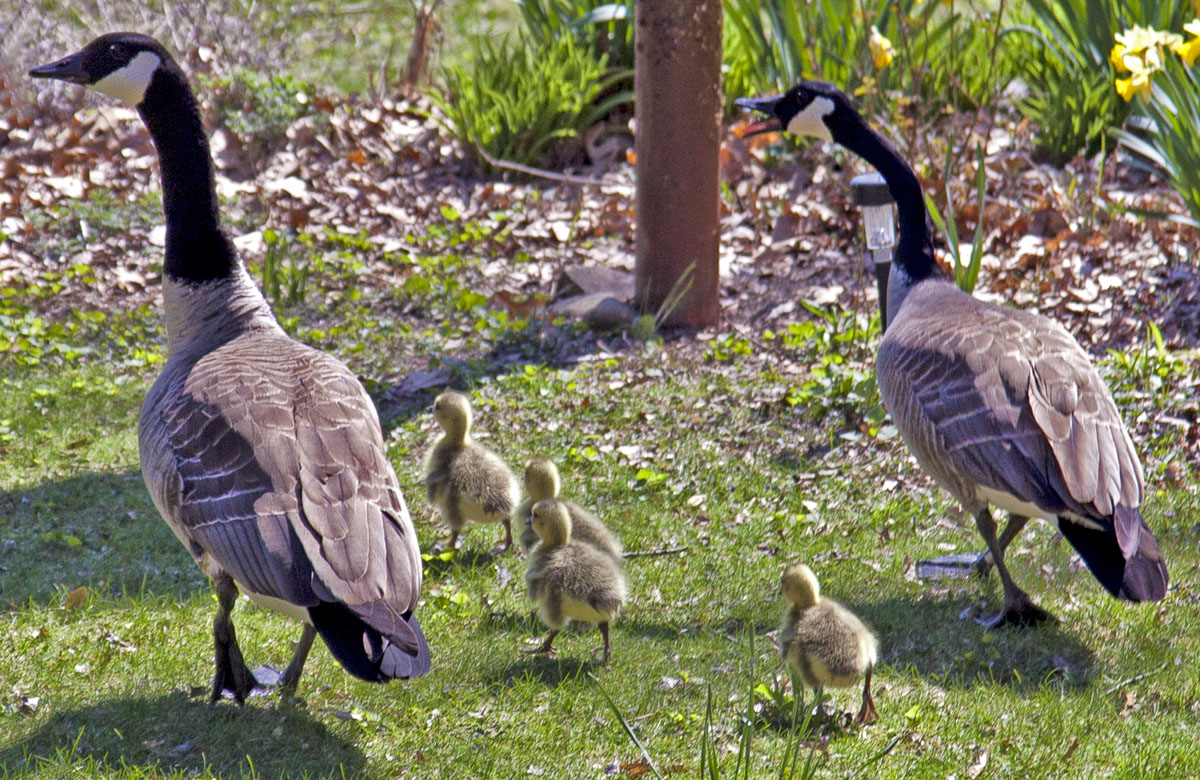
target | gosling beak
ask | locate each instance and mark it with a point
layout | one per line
(69, 68)
(766, 106)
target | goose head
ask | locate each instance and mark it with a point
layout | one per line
(811, 108)
(800, 585)
(121, 65)
(541, 479)
(551, 522)
(452, 411)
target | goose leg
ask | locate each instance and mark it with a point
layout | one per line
(965, 564)
(1019, 609)
(1016, 523)
(291, 675)
(868, 713)
(231, 672)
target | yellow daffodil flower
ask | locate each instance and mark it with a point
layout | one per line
(1190, 50)
(1116, 57)
(1138, 52)
(881, 49)
(1138, 39)
(1140, 71)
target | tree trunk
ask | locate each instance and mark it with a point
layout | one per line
(678, 108)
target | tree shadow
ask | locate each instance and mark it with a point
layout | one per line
(938, 638)
(99, 529)
(175, 732)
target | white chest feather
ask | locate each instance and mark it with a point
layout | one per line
(130, 82)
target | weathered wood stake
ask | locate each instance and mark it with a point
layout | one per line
(678, 108)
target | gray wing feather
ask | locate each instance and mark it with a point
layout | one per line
(1008, 400)
(268, 456)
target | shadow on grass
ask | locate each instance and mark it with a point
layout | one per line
(99, 529)
(939, 639)
(465, 559)
(569, 663)
(175, 732)
(540, 344)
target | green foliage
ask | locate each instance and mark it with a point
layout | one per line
(966, 272)
(727, 347)
(943, 56)
(604, 26)
(258, 109)
(1174, 144)
(29, 338)
(527, 102)
(838, 347)
(1061, 52)
(1148, 372)
(287, 266)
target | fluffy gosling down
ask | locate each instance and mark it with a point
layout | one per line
(542, 482)
(466, 481)
(568, 579)
(824, 644)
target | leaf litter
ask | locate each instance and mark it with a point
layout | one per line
(382, 172)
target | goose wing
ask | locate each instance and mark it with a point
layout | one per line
(267, 459)
(1008, 401)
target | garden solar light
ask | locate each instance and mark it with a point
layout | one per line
(870, 193)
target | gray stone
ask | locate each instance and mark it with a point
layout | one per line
(592, 279)
(601, 311)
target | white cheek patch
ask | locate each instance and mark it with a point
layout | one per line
(811, 122)
(130, 82)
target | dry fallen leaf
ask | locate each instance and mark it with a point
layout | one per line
(76, 598)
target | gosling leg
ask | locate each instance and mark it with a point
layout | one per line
(607, 644)
(868, 713)
(548, 645)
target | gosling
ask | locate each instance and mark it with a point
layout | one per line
(823, 643)
(541, 481)
(467, 482)
(571, 580)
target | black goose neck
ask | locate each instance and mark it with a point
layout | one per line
(914, 247)
(197, 250)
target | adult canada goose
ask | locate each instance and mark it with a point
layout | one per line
(465, 480)
(999, 405)
(571, 580)
(824, 644)
(264, 456)
(541, 481)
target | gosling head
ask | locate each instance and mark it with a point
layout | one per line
(800, 585)
(812, 108)
(121, 65)
(551, 522)
(541, 479)
(452, 411)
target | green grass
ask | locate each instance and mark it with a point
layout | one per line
(120, 680)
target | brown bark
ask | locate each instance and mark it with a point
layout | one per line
(678, 107)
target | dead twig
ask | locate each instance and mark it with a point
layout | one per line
(1135, 678)
(659, 551)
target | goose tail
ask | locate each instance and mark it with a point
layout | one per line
(1142, 576)
(397, 652)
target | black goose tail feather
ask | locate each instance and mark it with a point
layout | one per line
(1141, 577)
(366, 652)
